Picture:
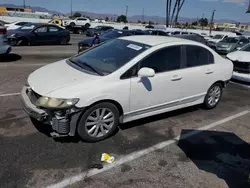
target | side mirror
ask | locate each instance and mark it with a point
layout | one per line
(146, 72)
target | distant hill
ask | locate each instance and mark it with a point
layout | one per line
(133, 18)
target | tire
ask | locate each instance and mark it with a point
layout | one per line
(87, 25)
(101, 131)
(72, 24)
(63, 41)
(213, 96)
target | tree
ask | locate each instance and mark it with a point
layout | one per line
(195, 23)
(203, 22)
(186, 24)
(144, 22)
(172, 18)
(77, 14)
(122, 18)
(139, 21)
(107, 19)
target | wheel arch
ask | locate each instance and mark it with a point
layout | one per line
(117, 104)
(223, 83)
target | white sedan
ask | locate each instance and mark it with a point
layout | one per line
(123, 80)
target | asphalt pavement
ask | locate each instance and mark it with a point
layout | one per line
(166, 150)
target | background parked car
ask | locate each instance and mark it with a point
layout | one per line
(112, 34)
(230, 44)
(193, 37)
(241, 61)
(4, 45)
(156, 32)
(215, 39)
(98, 29)
(39, 34)
(14, 25)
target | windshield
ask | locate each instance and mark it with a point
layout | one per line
(109, 56)
(114, 34)
(27, 27)
(218, 37)
(246, 48)
(230, 40)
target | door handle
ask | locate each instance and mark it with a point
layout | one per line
(175, 78)
(209, 71)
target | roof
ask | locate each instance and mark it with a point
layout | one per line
(154, 40)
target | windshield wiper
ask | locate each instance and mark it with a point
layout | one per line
(80, 63)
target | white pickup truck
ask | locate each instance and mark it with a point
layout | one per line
(81, 21)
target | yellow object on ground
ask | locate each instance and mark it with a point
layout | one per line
(107, 158)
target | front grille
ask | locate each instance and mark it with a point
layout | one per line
(241, 66)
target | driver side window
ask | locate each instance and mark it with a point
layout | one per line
(41, 30)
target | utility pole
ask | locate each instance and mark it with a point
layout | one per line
(211, 23)
(202, 23)
(127, 11)
(71, 8)
(24, 4)
(143, 15)
(167, 14)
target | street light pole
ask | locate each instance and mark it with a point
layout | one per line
(24, 4)
(212, 21)
(71, 8)
(202, 23)
(143, 15)
(127, 11)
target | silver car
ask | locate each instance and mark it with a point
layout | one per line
(5, 48)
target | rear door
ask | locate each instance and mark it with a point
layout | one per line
(199, 72)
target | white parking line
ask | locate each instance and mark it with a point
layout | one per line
(9, 94)
(135, 155)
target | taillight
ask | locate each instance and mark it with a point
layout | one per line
(2, 30)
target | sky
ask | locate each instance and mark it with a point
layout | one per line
(225, 9)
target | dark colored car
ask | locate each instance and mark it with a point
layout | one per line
(97, 29)
(156, 32)
(34, 34)
(92, 41)
(193, 37)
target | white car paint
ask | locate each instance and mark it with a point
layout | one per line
(12, 26)
(241, 56)
(168, 92)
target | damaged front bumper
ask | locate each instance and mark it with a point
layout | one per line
(63, 122)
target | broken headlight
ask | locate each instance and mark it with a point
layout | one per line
(48, 102)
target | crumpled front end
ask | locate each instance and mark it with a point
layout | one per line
(62, 121)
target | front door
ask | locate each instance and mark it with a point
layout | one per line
(40, 35)
(164, 89)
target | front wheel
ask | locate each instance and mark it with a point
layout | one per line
(63, 40)
(98, 122)
(213, 96)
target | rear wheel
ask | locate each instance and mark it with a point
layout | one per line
(98, 122)
(213, 96)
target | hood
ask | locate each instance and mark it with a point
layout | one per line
(16, 31)
(56, 76)
(225, 44)
(91, 39)
(241, 56)
(214, 40)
